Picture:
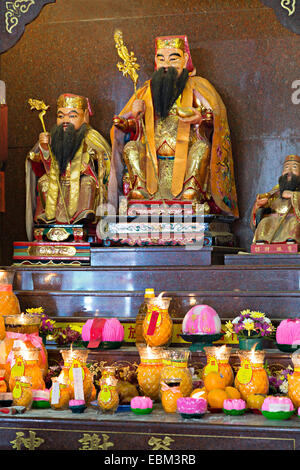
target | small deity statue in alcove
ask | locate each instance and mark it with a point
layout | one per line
(276, 214)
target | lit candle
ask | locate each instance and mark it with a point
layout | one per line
(218, 361)
(149, 370)
(158, 325)
(251, 377)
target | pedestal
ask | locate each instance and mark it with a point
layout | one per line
(27, 253)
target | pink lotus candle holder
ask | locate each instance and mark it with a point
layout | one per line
(190, 407)
(234, 406)
(141, 405)
(277, 408)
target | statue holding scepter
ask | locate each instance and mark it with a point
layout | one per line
(67, 171)
(172, 137)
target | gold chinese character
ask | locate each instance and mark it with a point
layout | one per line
(30, 443)
(160, 444)
(93, 442)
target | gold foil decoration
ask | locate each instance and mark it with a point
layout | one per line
(171, 43)
(14, 10)
(289, 5)
(77, 102)
(129, 66)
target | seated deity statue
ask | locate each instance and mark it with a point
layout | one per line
(276, 215)
(67, 171)
(171, 141)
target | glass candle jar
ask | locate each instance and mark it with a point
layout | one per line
(218, 361)
(170, 392)
(22, 392)
(3, 385)
(9, 303)
(158, 325)
(139, 335)
(59, 394)
(294, 381)
(24, 328)
(251, 377)
(149, 370)
(26, 363)
(175, 368)
(108, 397)
(81, 386)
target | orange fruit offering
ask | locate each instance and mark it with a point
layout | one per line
(233, 393)
(255, 401)
(216, 397)
(200, 393)
(214, 380)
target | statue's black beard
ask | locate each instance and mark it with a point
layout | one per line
(166, 86)
(65, 144)
(289, 185)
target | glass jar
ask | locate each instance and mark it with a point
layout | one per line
(26, 363)
(175, 368)
(251, 377)
(59, 394)
(139, 336)
(158, 324)
(22, 392)
(108, 397)
(170, 392)
(23, 331)
(76, 358)
(149, 370)
(218, 361)
(9, 303)
(3, 386)
(294, 381)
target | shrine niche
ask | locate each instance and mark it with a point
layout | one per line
(14, 16)
(287, 12)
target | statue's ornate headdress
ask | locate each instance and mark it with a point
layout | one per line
(292, 158)
(67, 100)
(175, 42)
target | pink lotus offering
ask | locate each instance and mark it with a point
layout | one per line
(288, 332)
(141, 405)
(190, 407)
(77, 406)
(234, 406)
(103, 333)
(277, 408)
(201, 320)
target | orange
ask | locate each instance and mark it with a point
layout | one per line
(202, 393)
(294, 388)
(255, 401)
(214, 380)
(232, 392)
(216, 397)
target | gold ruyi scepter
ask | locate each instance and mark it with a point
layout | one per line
(129, 68)
(42, 107)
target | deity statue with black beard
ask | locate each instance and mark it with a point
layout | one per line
(172, 139)
(67, 171)
(276, 214)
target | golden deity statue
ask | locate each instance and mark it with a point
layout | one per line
(172, 139)
(69, 167)
(276, 214)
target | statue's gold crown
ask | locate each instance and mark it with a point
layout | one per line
(72, 101)
(172, 42)
(292, 158)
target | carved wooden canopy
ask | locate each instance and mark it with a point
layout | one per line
(14, 15)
